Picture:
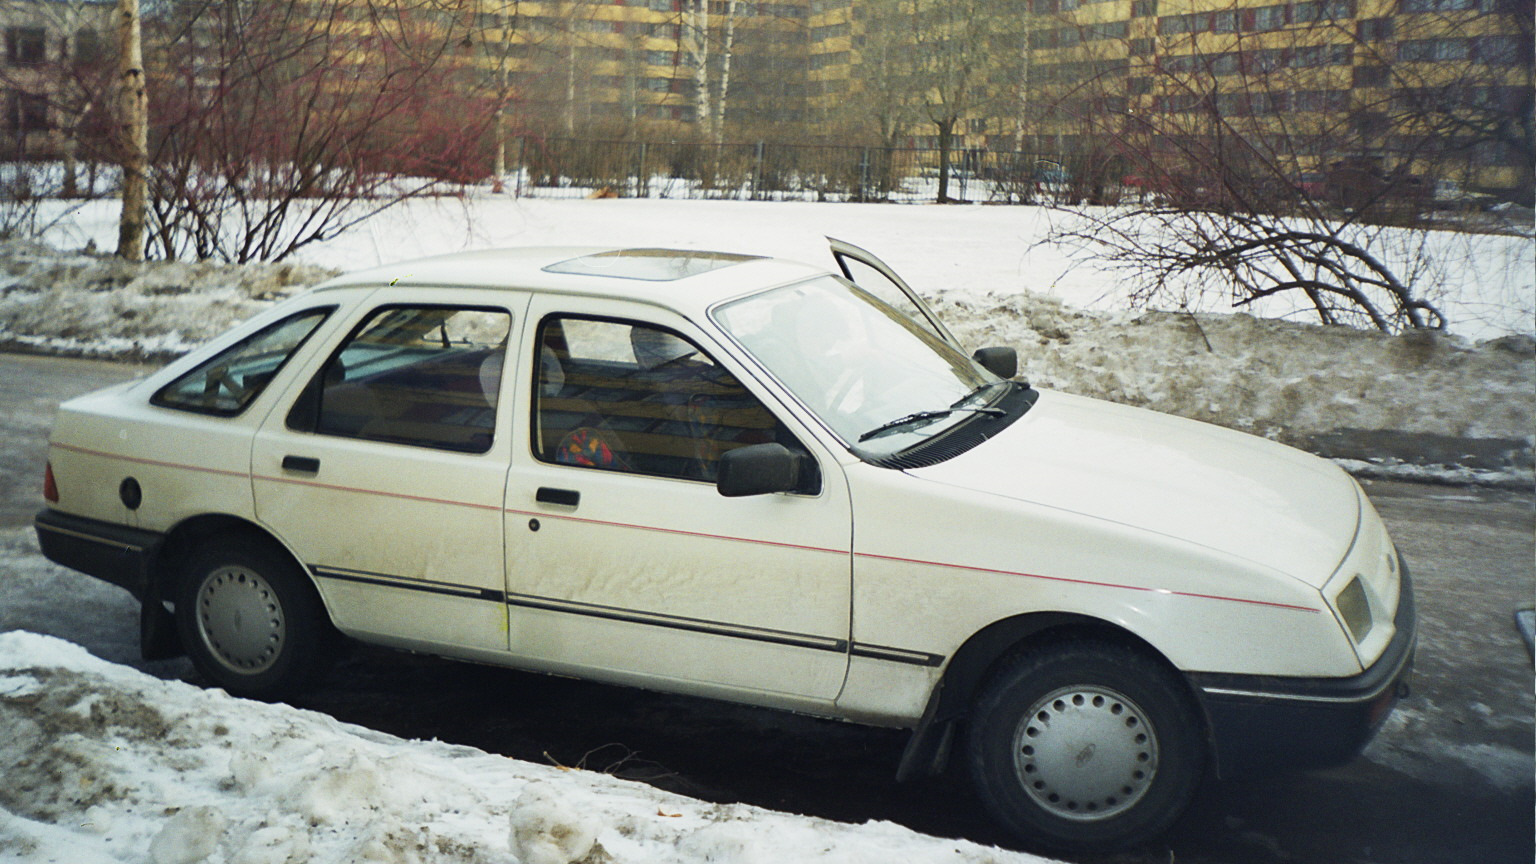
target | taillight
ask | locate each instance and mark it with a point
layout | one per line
(50, 488)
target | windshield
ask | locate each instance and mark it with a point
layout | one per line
(874, 377)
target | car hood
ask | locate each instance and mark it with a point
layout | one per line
(1226, 491)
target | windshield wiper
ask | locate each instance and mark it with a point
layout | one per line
(919, 416)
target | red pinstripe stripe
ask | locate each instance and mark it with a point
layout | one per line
(680, 532)
(1088, 582)
(155, 462)
(359, 491)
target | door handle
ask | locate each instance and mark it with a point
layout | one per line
(563, 497)
(303, 464)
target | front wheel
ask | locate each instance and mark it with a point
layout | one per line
(251, 622)
(1085, 746)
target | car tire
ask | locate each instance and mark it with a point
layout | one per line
(1085, 746)
(250, 620)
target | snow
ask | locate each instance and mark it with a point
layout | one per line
(986, 270)
(105, 764)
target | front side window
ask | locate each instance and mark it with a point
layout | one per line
(625, 396)
(426, 376)
(225, 384)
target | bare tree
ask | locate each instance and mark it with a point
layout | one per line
(282, 124)
(940, 51)
(1237, 115)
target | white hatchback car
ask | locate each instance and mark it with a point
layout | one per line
(752, 480)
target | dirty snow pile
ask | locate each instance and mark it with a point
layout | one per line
(101, 306)
(106, 764)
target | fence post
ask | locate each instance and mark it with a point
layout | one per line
(522, 167)
(864, 175)
(757, 170)
(642, 179)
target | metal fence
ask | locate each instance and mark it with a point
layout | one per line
(585, 168)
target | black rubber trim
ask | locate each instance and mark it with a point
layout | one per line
(897, 655)
(672, 622)
(108, 551)
(447, 589)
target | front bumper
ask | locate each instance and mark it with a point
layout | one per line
(1262, 722)
(110, 552)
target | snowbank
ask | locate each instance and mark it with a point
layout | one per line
(1427, 406)
(104, 764)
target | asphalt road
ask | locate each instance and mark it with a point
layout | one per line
(1448, 781)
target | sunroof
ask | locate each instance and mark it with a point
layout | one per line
(651, 265)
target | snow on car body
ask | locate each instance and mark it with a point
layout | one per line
(747, 479)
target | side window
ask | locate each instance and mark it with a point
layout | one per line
(225, 384)
(622, 396)
(426, 376)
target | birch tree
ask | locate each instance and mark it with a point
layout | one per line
(133, 127)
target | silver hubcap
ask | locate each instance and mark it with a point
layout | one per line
(1085, 753)
(239, 619)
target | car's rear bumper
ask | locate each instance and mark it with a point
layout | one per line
(1260, 722)
(110, 552)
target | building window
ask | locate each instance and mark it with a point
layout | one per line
(1438, 5)
(88, 48)
(1434, 50)
(26, 112)
(1268, 18)
(26, 46)
(1372, 76)
(1497, 50)
(1374, 29)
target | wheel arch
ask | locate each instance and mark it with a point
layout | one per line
(928, 751)
(187, 535)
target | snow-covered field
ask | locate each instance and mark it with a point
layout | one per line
(106, 765)
(1274, 376)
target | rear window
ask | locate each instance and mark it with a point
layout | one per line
(227, 383)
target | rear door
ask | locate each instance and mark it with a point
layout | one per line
(385, 470)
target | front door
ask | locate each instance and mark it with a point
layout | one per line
(387, 471)
(623, 559)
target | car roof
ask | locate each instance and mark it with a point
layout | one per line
(692, 278)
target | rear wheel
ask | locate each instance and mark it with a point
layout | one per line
(250, 621)
(1085, 746)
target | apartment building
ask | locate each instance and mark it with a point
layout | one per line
(1423, 86)
(50, 72)
(608, 63)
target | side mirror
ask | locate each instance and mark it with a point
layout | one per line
(758, 470)
(1002, 362)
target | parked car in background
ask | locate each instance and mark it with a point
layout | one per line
(753, 480)
(1451, 195)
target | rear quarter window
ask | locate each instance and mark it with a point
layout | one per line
(227, 383)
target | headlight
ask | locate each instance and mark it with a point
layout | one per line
(1355, 609)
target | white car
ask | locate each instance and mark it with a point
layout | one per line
(748, 479)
